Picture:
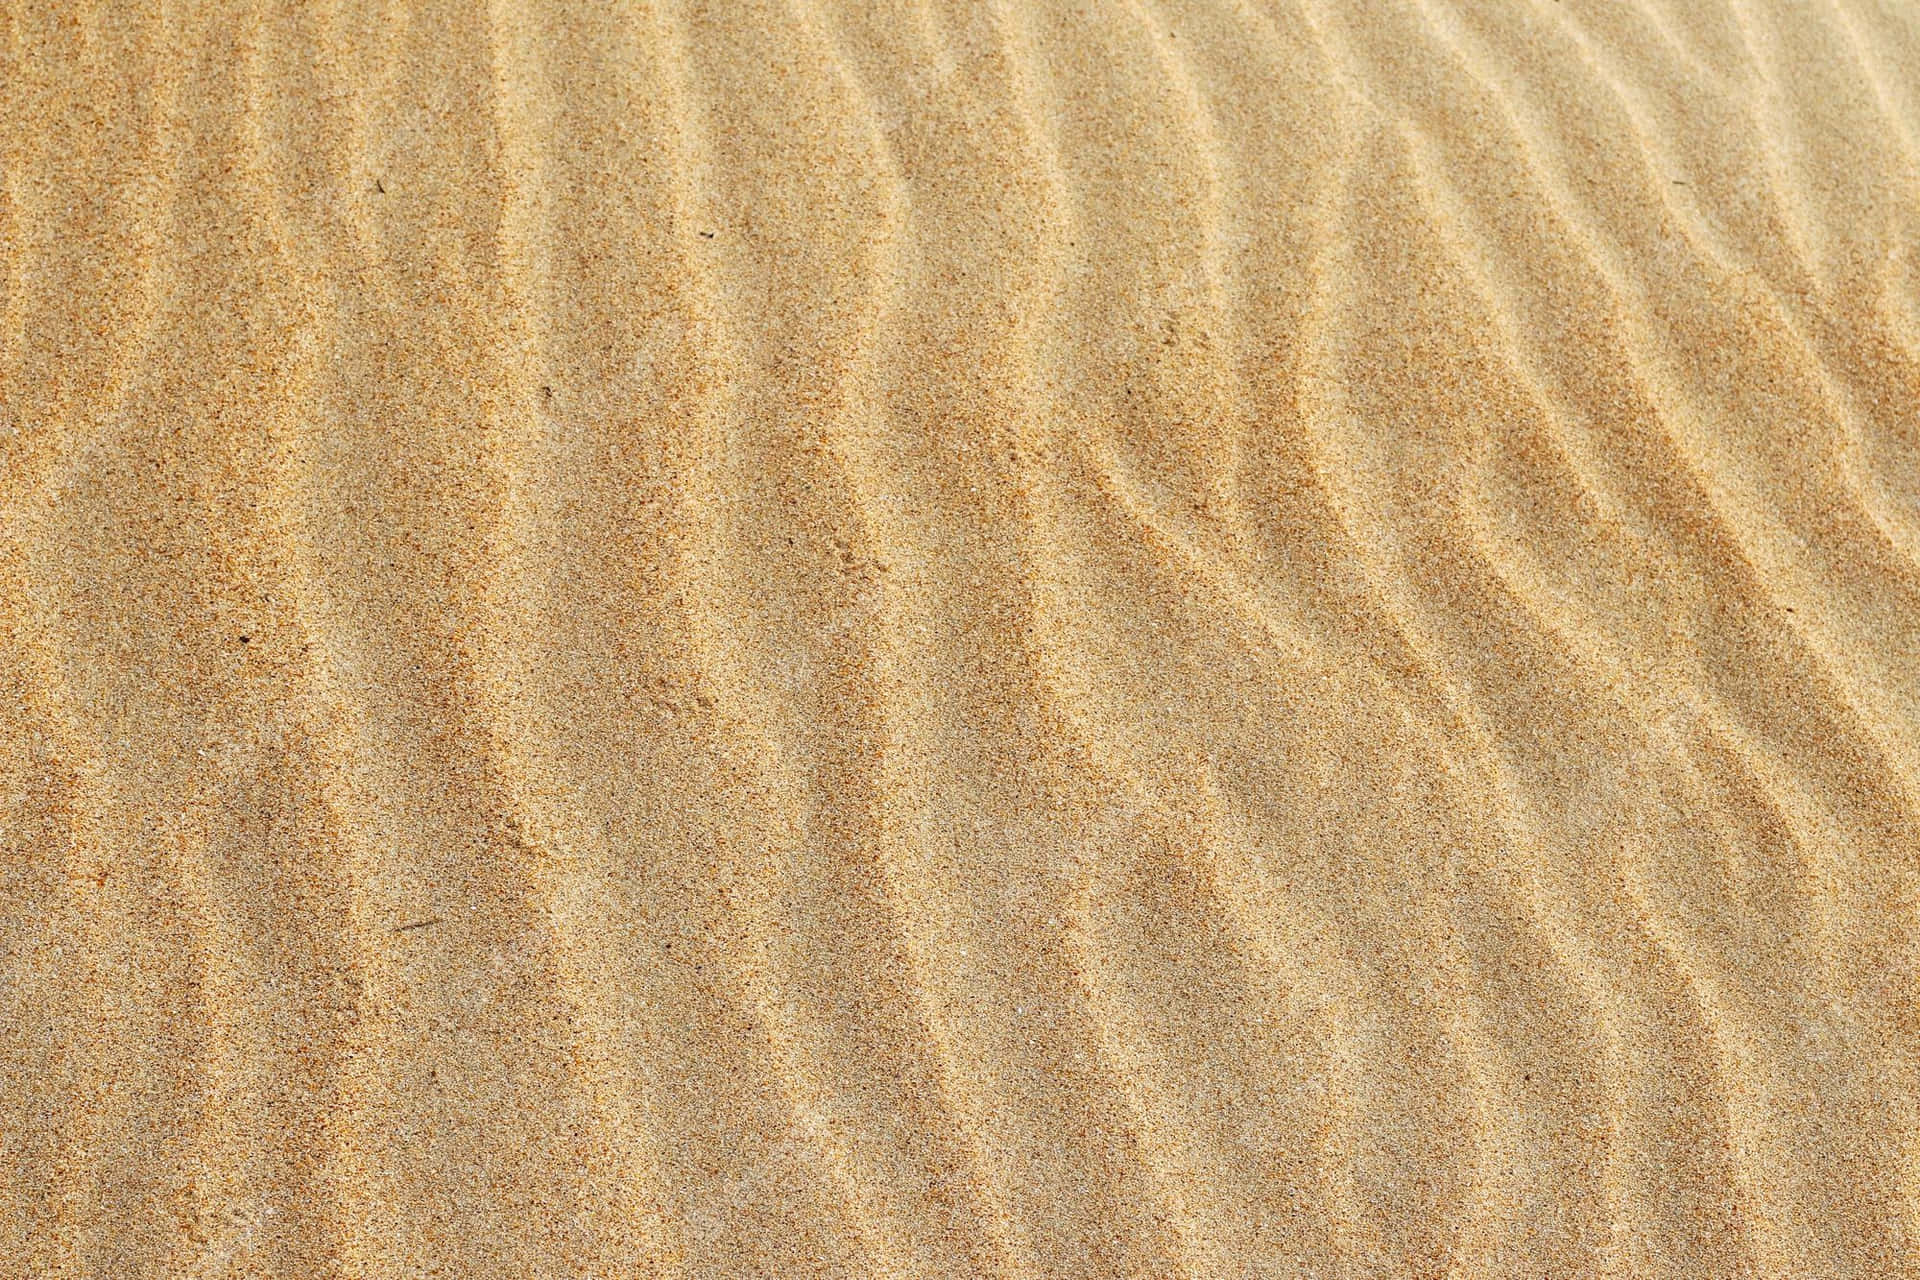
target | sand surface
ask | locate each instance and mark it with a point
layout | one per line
(1237, 638)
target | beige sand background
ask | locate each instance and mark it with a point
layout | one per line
(1235, 638)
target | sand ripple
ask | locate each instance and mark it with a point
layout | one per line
(1219, 639)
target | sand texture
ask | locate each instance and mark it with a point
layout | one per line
(1256, 639)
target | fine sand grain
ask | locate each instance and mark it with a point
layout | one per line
(1255, 639)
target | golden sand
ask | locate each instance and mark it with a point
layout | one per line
(1235, 638)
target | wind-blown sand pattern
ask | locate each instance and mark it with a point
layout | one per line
(1238, 638)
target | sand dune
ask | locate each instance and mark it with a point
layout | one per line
(1232, 638)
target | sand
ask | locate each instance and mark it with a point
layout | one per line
(1237, 638)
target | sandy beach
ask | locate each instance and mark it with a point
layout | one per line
(1186, 639)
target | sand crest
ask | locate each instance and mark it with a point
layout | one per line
(1224, 639)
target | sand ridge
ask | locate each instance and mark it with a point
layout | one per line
(1238, 638)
